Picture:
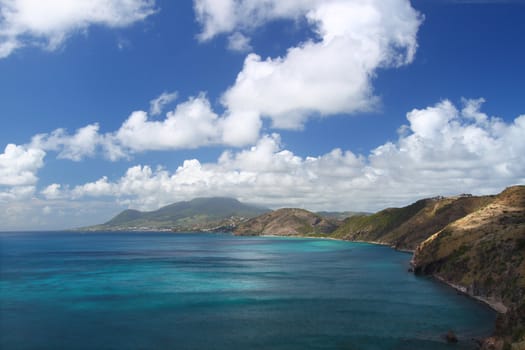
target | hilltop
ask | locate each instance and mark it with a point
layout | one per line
(200, 214)
(405, 228)
(287, 222)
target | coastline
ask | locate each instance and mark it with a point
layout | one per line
(495, 305)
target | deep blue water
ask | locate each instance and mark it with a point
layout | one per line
(173, 291)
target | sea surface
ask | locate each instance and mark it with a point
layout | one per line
(218, 291)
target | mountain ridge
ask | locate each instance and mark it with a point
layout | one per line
(199, 214)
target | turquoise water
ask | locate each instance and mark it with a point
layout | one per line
(217, 291)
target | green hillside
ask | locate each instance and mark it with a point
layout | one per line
(407, 227)
(200, 214)
(372, 228)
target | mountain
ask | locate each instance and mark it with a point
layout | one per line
(286, 222)
(483, 254)
(200, 214)
(405, 228)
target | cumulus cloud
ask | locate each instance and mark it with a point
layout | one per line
(192, 124)
(445, 150)
(239, 42)
(75, 147)
(17, 193)
(53, 191)
(223, 16)
(100, 187)
(20, 164)
(158, 104)
(327, 74)
(49, 23)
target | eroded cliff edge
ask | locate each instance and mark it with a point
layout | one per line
(483, 254)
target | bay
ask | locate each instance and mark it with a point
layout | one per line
(61, 290)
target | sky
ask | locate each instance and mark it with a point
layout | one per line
(318, 104)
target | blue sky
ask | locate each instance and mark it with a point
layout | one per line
(325, 105)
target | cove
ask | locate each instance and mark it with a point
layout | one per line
(218, 291)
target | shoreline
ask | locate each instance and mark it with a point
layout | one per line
(495, 305)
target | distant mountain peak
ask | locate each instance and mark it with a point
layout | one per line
(199, 214)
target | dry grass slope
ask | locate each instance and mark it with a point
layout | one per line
(287, 222)
(484, 253)
(405, 228)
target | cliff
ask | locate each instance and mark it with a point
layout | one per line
(483, 254)
(474, 243)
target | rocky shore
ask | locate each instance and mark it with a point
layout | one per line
(475, 244)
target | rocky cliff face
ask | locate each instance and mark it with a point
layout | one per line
(483, 254)
(286, 222)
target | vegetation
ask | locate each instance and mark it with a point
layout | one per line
(474, 243)
(201, 214)
(484, 252)
(287, 222)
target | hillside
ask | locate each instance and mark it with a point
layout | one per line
(286, 222)
(200, 214)
(483, 254)
(405, 228)
(340, 215)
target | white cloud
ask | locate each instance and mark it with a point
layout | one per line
(239, 42)
(327, 75)
(27, 212)
(20, 164)
(446, 151)
(192, 124)
(98, 188)
(53, 191)
(17, 193)
(49, 23)
(224, 16)
(74, 147)
(158, 104)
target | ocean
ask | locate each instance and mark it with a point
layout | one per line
(66, 290)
